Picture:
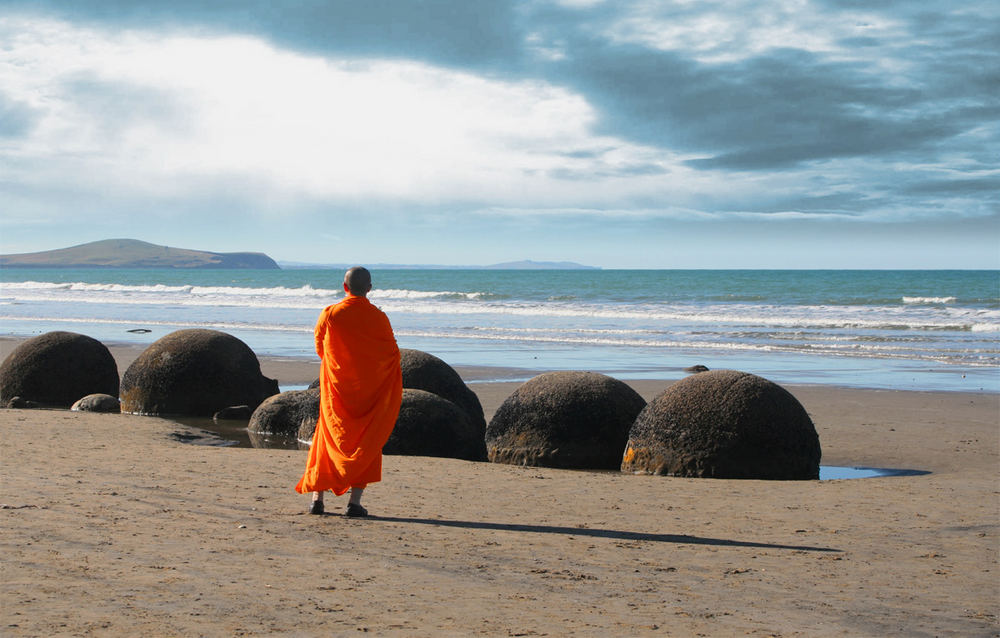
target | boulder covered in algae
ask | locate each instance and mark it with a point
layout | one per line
(56, 369)
(424, 371)
(290, 414)
(430, 425)
(194, 373)
(724, 424)
(573, 420)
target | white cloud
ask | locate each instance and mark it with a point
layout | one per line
(228, 110)
(720, 32)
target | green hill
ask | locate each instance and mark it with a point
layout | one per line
(132, 253)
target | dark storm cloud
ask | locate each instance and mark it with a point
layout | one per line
(887, 95)
(771, 111)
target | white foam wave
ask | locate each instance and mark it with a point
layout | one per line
(306, 292)
(397, 302)
(982, 358)
(141, 323)
(391, 293)
(985, 327)
(929, 300)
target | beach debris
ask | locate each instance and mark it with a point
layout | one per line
(724, 424)
(424, 371)
(194, 372)
(570, 419)
(57, 368)
(97, 403)
(430, 425)
(287, 414)
(696, 369)
(233, 413)
(139, 331)
(20, 403)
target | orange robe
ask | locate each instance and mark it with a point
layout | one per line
(361, 389)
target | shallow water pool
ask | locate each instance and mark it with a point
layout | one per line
(835, 472)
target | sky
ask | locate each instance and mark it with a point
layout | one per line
(617, 133)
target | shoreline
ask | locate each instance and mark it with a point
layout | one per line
(299, 371)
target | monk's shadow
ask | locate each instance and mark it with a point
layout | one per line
(680, 539)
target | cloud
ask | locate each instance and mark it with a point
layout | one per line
(633, 111)
(751, 86)
(441, 32)
(163, 115)
(16, 118)
(989, 184)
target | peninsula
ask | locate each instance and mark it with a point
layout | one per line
(132, 253)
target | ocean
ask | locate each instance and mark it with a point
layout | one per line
(903, 330)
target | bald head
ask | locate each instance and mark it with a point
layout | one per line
(358, 281)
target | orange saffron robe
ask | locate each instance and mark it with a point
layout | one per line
(361, 389)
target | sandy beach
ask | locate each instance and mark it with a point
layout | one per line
(111, 526)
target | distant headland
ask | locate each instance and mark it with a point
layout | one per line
(132, 253)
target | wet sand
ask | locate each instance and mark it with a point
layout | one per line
(113, 527)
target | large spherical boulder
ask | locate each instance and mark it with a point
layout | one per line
(423, 371)
(57, 368)
(286, 414)
(573, 420)
(194, 373)
(430, 425)
(724, 424)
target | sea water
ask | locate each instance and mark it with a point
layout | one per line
(920, 330)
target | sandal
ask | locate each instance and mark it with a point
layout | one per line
(354, 510)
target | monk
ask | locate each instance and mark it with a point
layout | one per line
(361, 389)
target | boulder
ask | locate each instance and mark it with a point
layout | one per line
(97, 403)
(430, 425)
(724, 424)
(57, 368)
(194, 373)
(287, 414)
(423, 371)
(573, 420)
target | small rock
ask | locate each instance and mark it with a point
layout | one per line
(20, 403)
(696, 369)
(97, 403)
(233, 413)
